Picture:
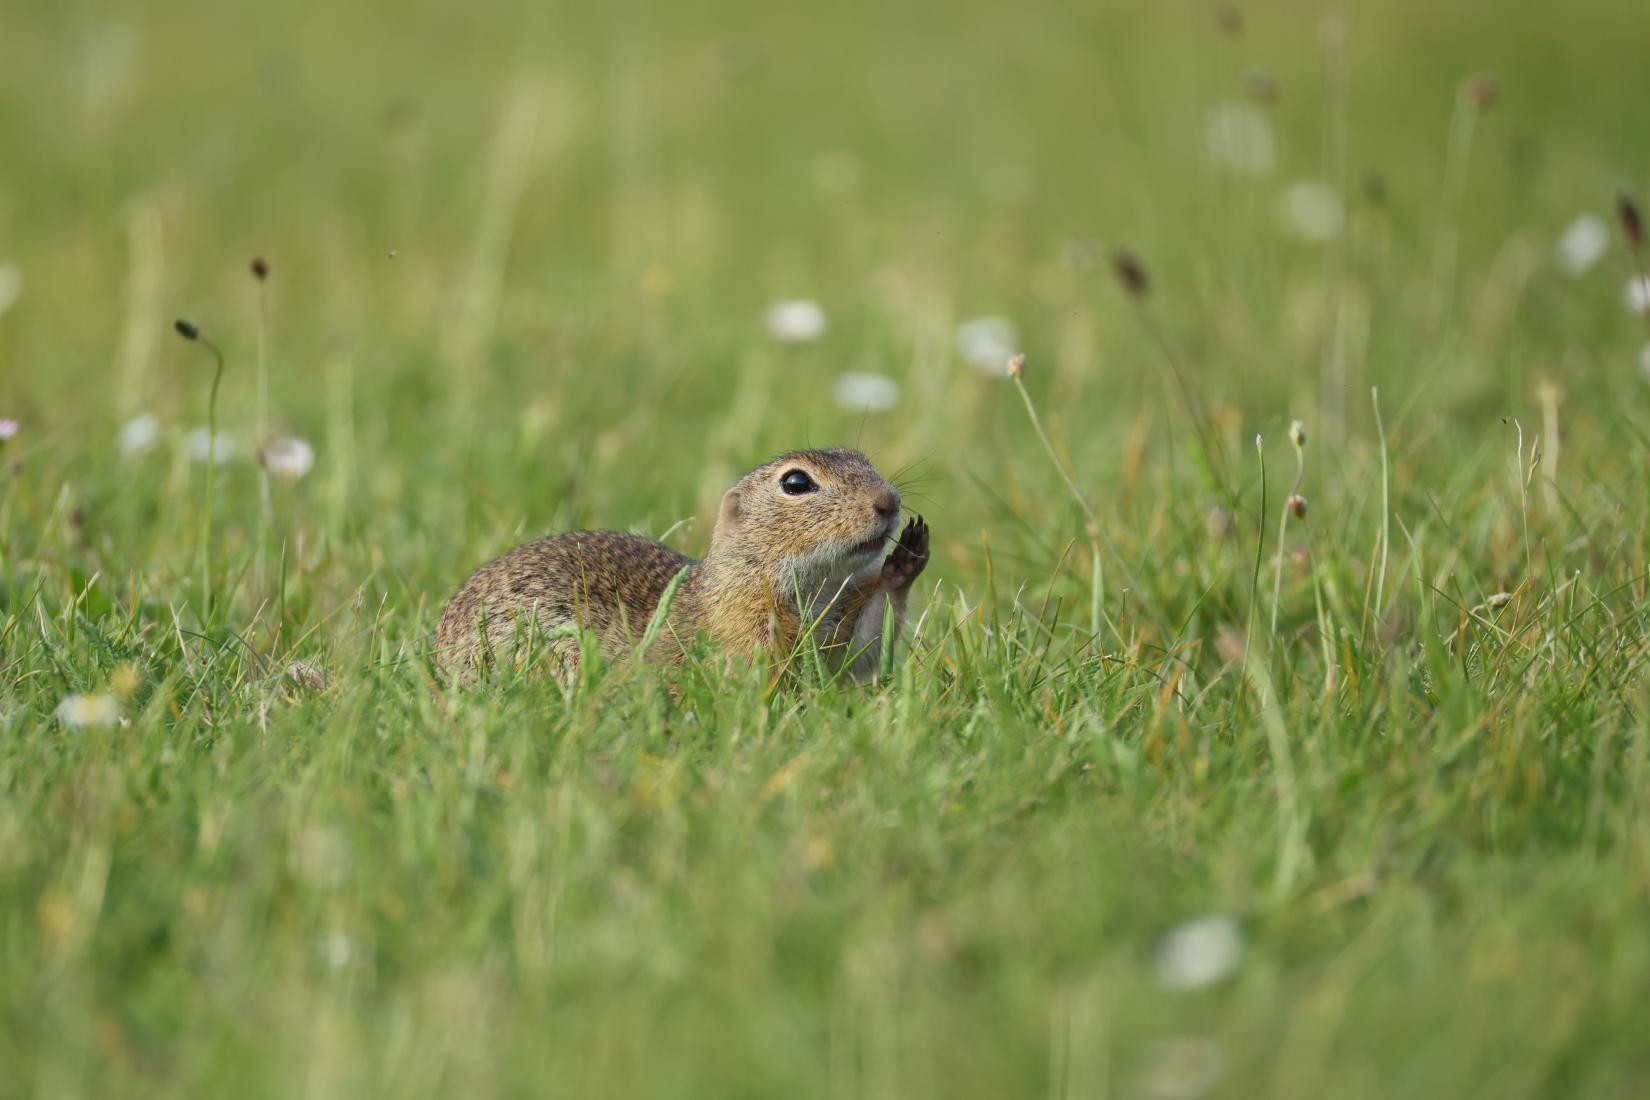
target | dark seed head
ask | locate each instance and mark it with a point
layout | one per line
(1297, 505)
(1261, 86)
(1130, 272)
(260, 268)
(1632, 225)
(186, 329)
(1482, 90)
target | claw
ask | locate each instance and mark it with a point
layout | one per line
(909, 555)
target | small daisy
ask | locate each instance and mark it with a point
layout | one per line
(1582, 245)
(875, 392)
(1240, 139)
(88, 711)
(138, 434)
(798, 321)
(338, 947)
(1311, 210)
(289, 456)
(1638, 294)
(201, 443)
(988, 343)
(8, 428)
(1199, 952)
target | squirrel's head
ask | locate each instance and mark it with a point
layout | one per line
(807, 519)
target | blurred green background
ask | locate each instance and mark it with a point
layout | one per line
(590, 209)
(522, 261)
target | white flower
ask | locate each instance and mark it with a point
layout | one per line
(11, 285)
(201, 443)
(288, 456)
(1199, 952)
(1582, 245)
(8, 428)
(1311, 210)
(988, 343)
(88, 711)
(138, 434)
(796, 322)
(1181, 1069)
(338, 948)
(1240, 139)
(1638, 294)
(875, 392)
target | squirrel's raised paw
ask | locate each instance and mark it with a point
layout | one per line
(906, 560)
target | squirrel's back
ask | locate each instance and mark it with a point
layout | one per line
(797, 551)
(606, 582)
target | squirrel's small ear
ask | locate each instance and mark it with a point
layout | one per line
(728, 515)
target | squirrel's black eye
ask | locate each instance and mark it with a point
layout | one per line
(796, 482)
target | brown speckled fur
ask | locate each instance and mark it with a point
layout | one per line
(777, 564)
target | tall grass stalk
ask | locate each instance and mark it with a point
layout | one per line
(190, 332)
(1260, 549)
(1295, 504)
(266, 513)
(1385, 535)
(1095, 531)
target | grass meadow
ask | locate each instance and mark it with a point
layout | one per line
(1173, 793)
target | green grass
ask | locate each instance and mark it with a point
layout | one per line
(520, 257)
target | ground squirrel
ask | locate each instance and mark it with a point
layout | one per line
(796, 548)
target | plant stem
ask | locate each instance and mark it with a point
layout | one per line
(266, 515)
(1283, 530)
(1386, 503)
(1277, 573)
(1254, 580)
(1097, 587)
(211, 472)
(1071, 482)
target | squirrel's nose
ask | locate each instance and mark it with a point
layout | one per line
(887, 503)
